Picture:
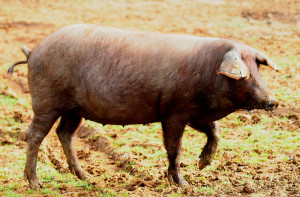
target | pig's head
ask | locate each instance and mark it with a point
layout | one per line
(245, 87)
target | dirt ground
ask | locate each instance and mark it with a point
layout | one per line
(270, 26)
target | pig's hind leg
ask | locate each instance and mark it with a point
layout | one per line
(213, 136)
(65, 131)
(39, 128)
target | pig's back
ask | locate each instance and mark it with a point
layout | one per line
(116, 76)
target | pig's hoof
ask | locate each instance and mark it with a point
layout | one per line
(85, 176)
(178, 179)
(35, 184)
(183, 183)
(203, 163)
(81, 174)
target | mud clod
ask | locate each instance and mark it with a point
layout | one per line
(249, 189)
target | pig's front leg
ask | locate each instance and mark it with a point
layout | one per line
(213, 136)
(173, 131)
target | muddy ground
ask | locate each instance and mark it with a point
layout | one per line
(270, 26)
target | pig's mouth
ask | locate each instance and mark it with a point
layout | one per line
(268, 106)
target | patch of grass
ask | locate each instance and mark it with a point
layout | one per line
(286, 94)
(291, 61)
(262, 142)
(10, 193)
(176, 195)
(192, 144)
(159, 153)
(31, 191)
(92, 124)
(290, 67)
(207, 190)
(50, 177)
(108, 193)
(7, 100)
(45, 191)
(24, 103)
(89, 187)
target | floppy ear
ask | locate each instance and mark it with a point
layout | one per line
(233, 66)
(263, 59)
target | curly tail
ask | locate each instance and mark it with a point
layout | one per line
(26, 52)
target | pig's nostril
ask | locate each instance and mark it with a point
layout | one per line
(272, 105)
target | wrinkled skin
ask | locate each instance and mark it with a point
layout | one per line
(115, 76)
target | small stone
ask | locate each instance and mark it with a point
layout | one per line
(248, 189)
(244, 118)
(255, 119)
(6, 139)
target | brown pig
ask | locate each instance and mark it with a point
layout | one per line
(115, 76)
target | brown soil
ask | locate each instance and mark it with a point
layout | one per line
(273, 27)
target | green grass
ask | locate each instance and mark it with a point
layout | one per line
(7, 100)
(291, 61)
(285, 93)
(14, 157)
(262, 138)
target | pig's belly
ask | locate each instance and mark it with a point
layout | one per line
(120, 114)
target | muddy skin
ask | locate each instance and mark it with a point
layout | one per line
(114, 76)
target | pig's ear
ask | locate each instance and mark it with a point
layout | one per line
(233, 66)
(263, 59)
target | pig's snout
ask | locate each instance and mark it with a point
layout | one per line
(272, 105)
(266, 99)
